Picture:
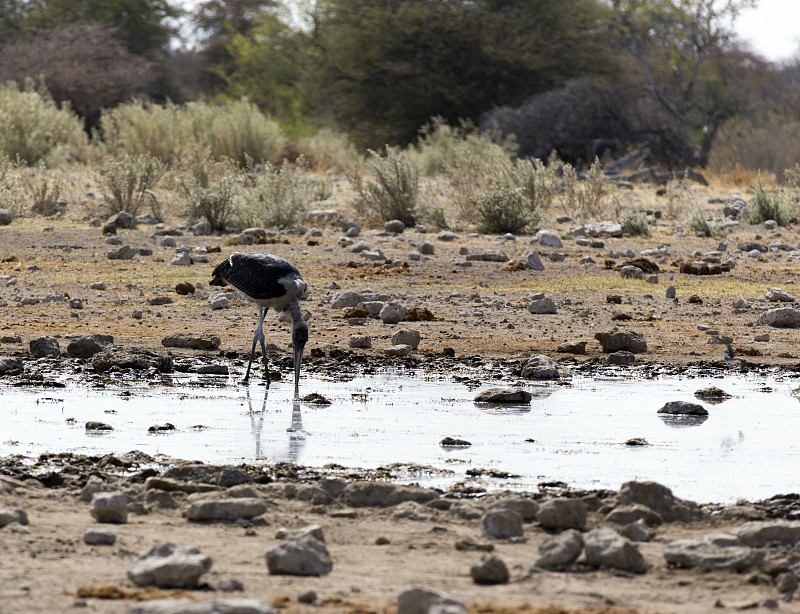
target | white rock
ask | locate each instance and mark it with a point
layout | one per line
(416, 600)
(109, 507)
(169, 566)
(548, 238)
(392, 313)
(304, 556)
(406, 337)
(606, 547)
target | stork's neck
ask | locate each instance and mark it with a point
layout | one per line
(295, 311)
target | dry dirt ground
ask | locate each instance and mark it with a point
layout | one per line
(43, 564)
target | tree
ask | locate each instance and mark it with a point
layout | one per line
(216, 23)
(87, 65)
(144, 25)
(387, 67)
(681, 46)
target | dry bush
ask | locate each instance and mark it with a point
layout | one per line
(394, 191)
(12, 194)
(586, 196)
(279, 195)
(328, 151)
(235, 130)
(442, 147)
(771, 144)
(130, 182)
(582, 120)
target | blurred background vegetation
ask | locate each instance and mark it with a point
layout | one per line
(579, 77)
(464, 89)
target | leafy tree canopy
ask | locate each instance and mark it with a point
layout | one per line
(387, 67)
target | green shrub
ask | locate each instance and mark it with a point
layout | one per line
(129, 181)
(216, 201)
(636, 222)
(33, 128)
(281, 195)
(766, 206)
(394, 192)
(503, 209)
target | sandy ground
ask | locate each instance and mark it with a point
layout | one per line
(479, 311)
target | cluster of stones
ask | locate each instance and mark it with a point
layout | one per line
(579, 533)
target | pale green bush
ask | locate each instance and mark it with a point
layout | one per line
(765, 206)
(442, 147)
(393, 193)
(235, 130)
(129, 182)
(328, 151)
(33, 128)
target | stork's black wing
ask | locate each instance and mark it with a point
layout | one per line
(256, 275)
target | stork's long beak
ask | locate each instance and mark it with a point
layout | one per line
(298, 357)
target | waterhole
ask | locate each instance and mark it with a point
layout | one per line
(747, 447)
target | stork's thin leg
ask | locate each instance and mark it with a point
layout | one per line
(258, 334)
(264, 354)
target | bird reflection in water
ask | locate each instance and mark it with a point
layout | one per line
(297, 436)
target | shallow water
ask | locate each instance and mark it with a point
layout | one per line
(748, 447)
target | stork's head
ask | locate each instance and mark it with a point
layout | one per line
(299, 339)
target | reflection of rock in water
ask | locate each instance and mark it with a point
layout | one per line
(729, 443)
(681, 421)
(713, 395)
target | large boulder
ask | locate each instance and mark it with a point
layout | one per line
(622, 340)
(559, 550)
(169, 566)
(605, 547)
(781, 317)
(660, 499)
(383, 494)
(712, 551)
(562, 513)
(303, 556)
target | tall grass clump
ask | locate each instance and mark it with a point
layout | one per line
(129, 182)
(701, 225)
(33, 128)
(235, 130)
(441, 147)
(328, 151)
(586, 197)
(12, 195)
(280, 195)
(766, 206)
(679, 199)
(792, 176)
(394, 191)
